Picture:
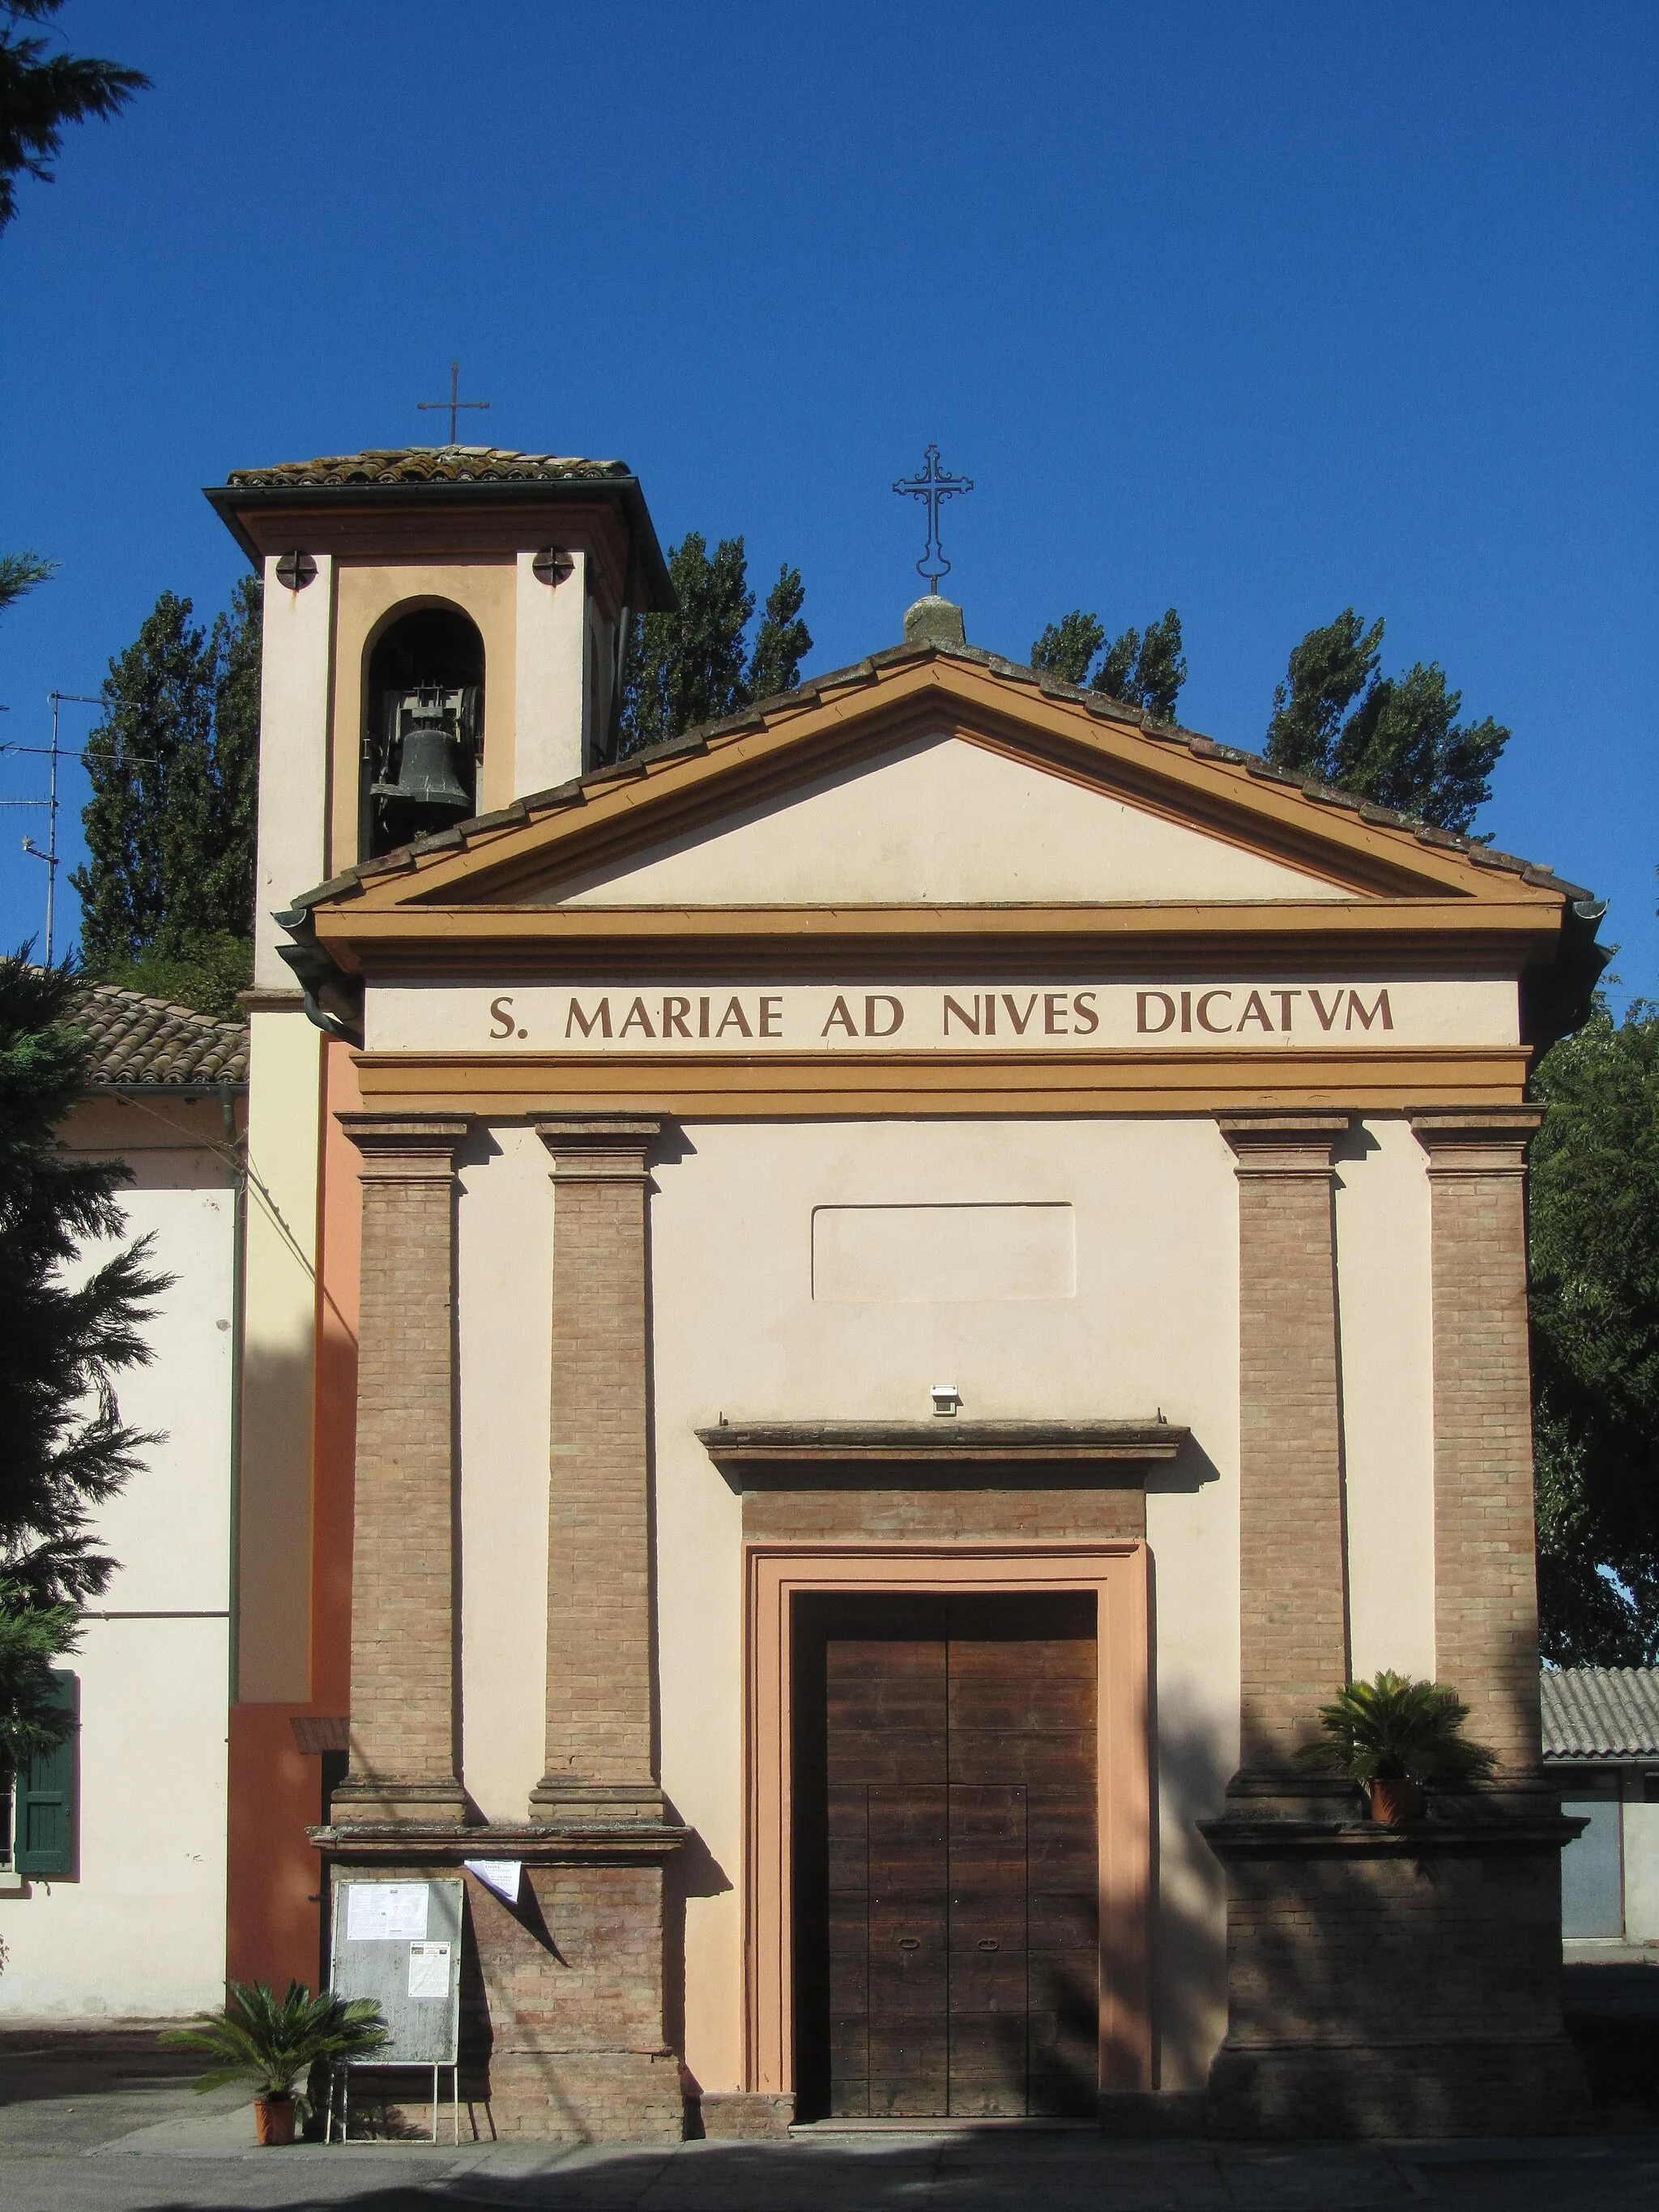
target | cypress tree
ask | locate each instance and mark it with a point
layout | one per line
(67, 1329)
(41, 90)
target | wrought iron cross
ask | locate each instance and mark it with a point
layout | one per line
(453, 403)
(933, 485)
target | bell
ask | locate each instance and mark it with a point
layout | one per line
(426, 764)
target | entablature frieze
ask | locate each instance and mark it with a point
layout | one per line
(868, 1086)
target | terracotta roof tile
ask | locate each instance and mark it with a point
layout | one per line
(136, 1040)
(428, 464)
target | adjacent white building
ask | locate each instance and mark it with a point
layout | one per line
(113, 1892)
(1601, 1744)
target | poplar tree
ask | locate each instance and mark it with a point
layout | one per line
(694, 665)
(1139, 668)
(1394, 739)
(782, 641)
(167, 895)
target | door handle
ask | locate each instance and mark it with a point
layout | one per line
(989, 1943)
(909, 1942)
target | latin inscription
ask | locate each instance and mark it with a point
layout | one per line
(1379, 1013)
(722, 1018)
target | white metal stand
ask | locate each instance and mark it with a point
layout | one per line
(341, 2078)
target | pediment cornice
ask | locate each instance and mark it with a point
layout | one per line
(673, 790)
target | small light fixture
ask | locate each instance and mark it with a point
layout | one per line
(946, 1399)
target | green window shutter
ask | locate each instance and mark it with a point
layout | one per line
(43, 1830)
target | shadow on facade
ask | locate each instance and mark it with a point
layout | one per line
(1188, 1919)
(693, 1871)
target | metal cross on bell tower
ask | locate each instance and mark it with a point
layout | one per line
(454, 405)
(933, 485)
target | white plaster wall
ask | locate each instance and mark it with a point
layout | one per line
(940, 818)
(504, 1278)
(1641, 1863)
(140, 1930)
(1152, 1323)
(1384, 1289)
(549, 679)
(296, 668)
(1149, 1323)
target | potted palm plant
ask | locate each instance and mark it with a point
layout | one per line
(271, 2041)
(1396, 1737)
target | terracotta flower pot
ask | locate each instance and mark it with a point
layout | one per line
(1396, 1798)
(273, 2119)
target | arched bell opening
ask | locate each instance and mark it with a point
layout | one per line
(422, 728)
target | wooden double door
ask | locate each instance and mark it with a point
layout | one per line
(947, 1892)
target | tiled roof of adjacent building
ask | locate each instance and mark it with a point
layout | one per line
(150, 1042)
(1601, 1712)
(414, 464)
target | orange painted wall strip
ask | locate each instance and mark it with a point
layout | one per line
(270, 1933)
(273, 1924)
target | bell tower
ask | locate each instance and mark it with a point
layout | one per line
(444, 632)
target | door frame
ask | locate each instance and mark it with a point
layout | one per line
(1115, 1572)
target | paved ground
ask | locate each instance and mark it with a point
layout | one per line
(108, 2122)
(942, 2173)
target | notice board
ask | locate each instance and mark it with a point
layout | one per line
(399, 1942)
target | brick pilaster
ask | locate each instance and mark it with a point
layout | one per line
(403, 1591)
(1292, 1601)
(1485, 1595)
(600, 1754)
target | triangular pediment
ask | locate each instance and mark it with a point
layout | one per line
(917, 783)
(942, 818)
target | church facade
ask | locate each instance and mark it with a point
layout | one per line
(862, 1315)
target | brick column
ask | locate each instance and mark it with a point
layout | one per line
(1385, 1981)
(1486, 1595)
(600, 1652)
(1292, 1591)
(403, 1588)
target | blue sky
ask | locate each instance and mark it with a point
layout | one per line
(1259, 312)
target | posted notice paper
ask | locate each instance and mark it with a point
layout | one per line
(386, 1913)
(429, 1972)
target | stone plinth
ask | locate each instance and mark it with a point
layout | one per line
(746, 2115)
(1394, 1981)
(561, 1994)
